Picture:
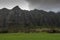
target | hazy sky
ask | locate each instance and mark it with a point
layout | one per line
(11, 3)
(49, 5)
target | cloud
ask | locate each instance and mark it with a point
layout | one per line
(49, 5)
(11, 3)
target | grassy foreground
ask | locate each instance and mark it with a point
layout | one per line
(29, 36)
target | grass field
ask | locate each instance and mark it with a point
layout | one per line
(29, 36)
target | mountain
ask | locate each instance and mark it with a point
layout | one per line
(17, 19)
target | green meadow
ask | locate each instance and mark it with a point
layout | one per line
(30, 36)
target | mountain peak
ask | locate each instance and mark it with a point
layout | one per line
(16, 8)
(4, 9)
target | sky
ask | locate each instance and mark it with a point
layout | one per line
(47, 5)
(12, 3)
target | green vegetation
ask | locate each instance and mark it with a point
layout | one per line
(30, 36)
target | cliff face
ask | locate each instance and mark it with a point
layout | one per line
(17, 18)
